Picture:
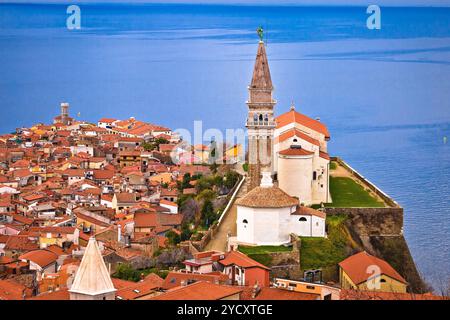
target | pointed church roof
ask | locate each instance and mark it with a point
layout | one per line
(92, 277)
(267, 197)
(261, 74)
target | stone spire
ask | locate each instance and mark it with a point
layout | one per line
(261, 74)
(92, 280)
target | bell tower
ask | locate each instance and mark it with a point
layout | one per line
(260, 120)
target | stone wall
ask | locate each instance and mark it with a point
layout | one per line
(372, 221)
(287, 264)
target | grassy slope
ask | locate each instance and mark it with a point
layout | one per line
(345, 192)
(261, 253)
(326, 253)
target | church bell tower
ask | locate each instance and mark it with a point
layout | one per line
(260, 120)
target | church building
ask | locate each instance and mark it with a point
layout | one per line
(292, 146)
(267, 216)
(288, 168)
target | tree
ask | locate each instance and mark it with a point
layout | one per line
(186, 231)
(208, 215)
(126, 272)
(206, 195)
(231, 178)
(186, 181)
(149, 146)
(173, 237)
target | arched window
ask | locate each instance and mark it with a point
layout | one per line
(382, 280)
(266, 118)
(255, 117)
(260, 117)
(295, 140)
(314, 175)
(244, 221)
(302, 219)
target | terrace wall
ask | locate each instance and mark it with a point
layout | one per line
(286, 264)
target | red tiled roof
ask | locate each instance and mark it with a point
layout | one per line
(267, 293)
(141, 288)
(11, 290)
(107, 120)
(62, 294)
(21, 243)
(294, 116)
(174, 279)
(240, 259)
(302, 210)
(125, 197)
(199, 291)
(103, 174)
(74, 172)
(63, 230)
(295, 152)
(296, 132)
(41, 257)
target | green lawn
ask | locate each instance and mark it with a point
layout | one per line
(263, 249)
(261, 254)
(326, 253)
(345, 192)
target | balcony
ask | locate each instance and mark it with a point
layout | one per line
(260, 123)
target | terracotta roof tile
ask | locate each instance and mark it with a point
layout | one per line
(199, 291)
(261, 197)
(41, 257)
(240, 259)
(294, 116)
(295, 152)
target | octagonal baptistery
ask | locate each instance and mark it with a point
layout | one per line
(264, 215)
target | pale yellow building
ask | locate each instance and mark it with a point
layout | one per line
(365, 272)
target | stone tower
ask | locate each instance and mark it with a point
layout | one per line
(260, 121)
(65, 113)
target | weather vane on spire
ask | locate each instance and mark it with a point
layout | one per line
(260, 33)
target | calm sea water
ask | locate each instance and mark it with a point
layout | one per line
(385, 94)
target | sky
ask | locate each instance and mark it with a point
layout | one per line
(261, 2)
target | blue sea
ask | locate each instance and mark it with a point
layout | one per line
(385, 94)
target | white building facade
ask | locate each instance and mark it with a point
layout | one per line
(268, 216)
